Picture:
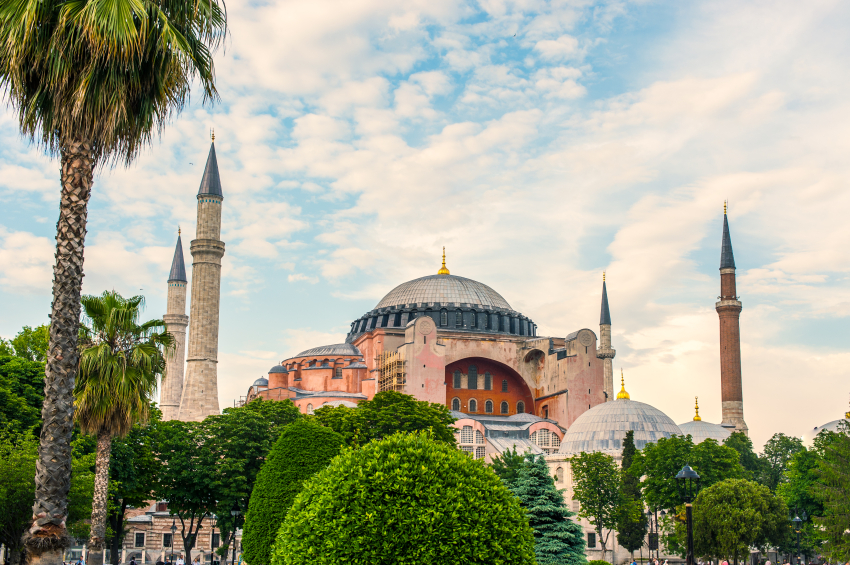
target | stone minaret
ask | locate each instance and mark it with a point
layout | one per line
(176, 321)
(200, 388)
(729, 310)
(605, 352)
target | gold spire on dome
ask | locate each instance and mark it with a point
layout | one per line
(212, 135)
(696, 408)
(623, 395)
(443, 270)
(603, 276)
(724, 206)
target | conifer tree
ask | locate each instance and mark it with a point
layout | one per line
(558, 540)
(631, 522)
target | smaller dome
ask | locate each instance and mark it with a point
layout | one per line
(701, 430)
(261, 382)
(809, 437)
(336, 349)
(278, 369)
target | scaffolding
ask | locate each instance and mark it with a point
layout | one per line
(392, 371)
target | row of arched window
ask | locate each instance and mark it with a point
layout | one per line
(504, 407)
(496, 323)
(546, 440)
(472, 380)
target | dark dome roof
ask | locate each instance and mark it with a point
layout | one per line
(278, 369)
(444, 289)
(336, 349)
(261, 382)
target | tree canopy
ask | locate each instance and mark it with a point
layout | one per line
(631, 521)
(778, 452)
(596, 485)
(508, 464)
(832, 491)
(21, 395)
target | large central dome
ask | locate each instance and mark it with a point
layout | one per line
(444, 289)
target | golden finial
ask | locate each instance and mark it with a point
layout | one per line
(623, 395)
(178, 230)
(603, 276)
(443, 270)
(724, 206)
(696, 407)
(212, 134)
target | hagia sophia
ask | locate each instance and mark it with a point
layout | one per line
(454, 341)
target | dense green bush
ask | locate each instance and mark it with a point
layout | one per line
(303, 448)
(405, 500)
(597, 562)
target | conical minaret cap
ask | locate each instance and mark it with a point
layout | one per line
(605, 316)
(211, 181)
(178, 267)
(727, 259)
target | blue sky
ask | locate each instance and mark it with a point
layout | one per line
(540, 142)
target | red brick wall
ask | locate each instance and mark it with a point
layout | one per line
(517, 390)
(730, 353)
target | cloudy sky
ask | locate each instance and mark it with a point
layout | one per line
(541, 143)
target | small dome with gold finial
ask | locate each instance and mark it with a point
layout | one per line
(700, 430)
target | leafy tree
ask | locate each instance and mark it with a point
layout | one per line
(596, 480)
(631, 522)
(558, 540)
(6, 349)
(778, 451)
(740, 442)
(508, 465)
(303, 449)
(16, 416)
(21, 394)
(831, 489)
(31, 344)
(387, 413)
(798, 492)
(407, 499)
(92, 84)
(120, 363)
(734, 515)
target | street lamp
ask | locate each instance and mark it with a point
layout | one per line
(235, 512)
(798, 527)
(687, 481)
(173, 533)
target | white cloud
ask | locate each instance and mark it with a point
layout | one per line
(25, 262)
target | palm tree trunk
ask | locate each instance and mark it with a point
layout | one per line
(97, 539)
(47, 536)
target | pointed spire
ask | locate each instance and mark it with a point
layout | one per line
(696, 408)
(605, 316)
(178, 268)
(623, 395)
(727, 259)
(211, 181)
(443, 270)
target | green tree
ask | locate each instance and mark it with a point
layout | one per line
(833, 484)
(734, 515)
(21, 394)
(405, 500)
(303, 449)
(798, 492)
(631, 521)
(31, 344)
(387, 413)
(92, 84)
(120, 363)
(508, 465)
(740, 442)
(778, 452)
(596, 485)
(558, 540)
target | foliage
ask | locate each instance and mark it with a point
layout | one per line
(734, 515)
(558, 540)
(303, 449)
(597, 562)
(408, 499)
(778, 452)
(387, 413)
(740, 442)
(798, 493)
(833, 485)
(21, 395)
(596, 481)
(508, 465)
(631, 521)
(29, 344)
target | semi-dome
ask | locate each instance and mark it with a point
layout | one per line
(700, 430)
(603, 427)
(444, 289)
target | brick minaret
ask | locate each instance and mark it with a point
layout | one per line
(729, 310)
(605, 352)
(176, 321)
(200, 388)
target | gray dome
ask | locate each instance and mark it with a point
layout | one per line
(261, 382)
(278, 369)
(603, 427)
(444, 289)
(701, 430)
(337, 349)
(810, 435)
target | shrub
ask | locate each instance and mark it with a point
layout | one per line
(597, 562)
(302, 449)
(405, 500)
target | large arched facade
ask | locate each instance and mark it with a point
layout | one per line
(476, 385)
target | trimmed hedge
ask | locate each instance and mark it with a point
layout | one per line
(302, 449)
(405, 500)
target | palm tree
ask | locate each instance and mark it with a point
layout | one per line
(91, 82)
(120, 361)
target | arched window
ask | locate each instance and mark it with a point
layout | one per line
(488, 407)
(456, 404)
(505, 385)
(545, 412)
(503, 408)
(458, 318)
(472, 320)
(488, 381)
(520, 407)
(444, 318)
(473, 405)
(457, 379)
(472, 381)
(486, 321)
(309, 408)
(480, 452)
(559, 474)
(466, 434)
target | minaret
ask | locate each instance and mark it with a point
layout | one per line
(729, 310)
(200, 388)
(176, 321)
(605, 352)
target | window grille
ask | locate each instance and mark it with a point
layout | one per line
(503, 408)
(576, 506)
(468, 449)
(166, 540)
(473, 378)
(338, 373)
(591, 540)
(488, 381)
(456, 404)
(444, 318)
(556, 441)
(140, 539)
(216, 540)
(459, 318)
(533, 438)
(472, 320)
(457, 379)
(466, 434)
(488, 407)
(479, 437)
(505, 386)
(559, 474)
(543, 437)
(479, 452)
(473, 405)
(520, 407)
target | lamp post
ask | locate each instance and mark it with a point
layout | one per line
(798, 527)
(235, 512)
(173, 533)
(687, 481)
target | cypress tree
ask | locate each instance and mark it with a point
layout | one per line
(558, 540)
(303, 449)
(631, 524)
